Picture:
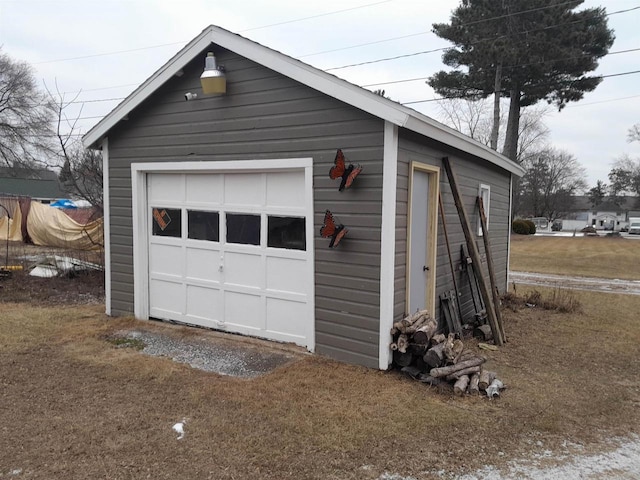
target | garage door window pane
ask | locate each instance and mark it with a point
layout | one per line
(287, 232)
(244, 229)
(167, 222)
(204, 225)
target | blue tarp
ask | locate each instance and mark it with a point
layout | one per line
(63, 203)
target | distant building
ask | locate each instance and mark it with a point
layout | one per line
(607, 215)
(39, 184)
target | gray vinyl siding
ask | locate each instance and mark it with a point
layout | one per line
(470, 172)
(265, 115)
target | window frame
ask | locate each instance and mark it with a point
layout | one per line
(484, 192)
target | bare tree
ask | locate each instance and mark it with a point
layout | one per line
(634, 133)
(475, 119)
(26, 117)
(81, 169)
(551, 181)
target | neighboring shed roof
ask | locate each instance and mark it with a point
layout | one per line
(38, 183)
(306, 74)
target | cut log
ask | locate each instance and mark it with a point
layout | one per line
(405, 325)
(403, 343)
(402, 359)
(429, 379)
(421, 364)
(444, 371)
(424, 333)
(453, 348)
(483, 332)
(393, 346)
(411, 371)
(439, 338)
(460, 387)
(473, 384)
(417, 350)
(486, 377)
(464, 371)
(419, 319)
(434, 356)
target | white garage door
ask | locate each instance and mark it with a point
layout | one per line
(230, 251)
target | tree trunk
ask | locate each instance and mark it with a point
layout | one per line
(444, 371)
(435, 356)
(513, 125)
(460, 387)
(495, 128)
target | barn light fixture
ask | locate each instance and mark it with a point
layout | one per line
(213, 79)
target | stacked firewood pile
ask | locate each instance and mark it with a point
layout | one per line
(437, 359)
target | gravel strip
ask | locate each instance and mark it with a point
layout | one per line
(211, 355)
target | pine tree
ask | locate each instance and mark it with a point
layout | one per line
(527, 51)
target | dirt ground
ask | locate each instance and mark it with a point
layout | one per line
(74, 405)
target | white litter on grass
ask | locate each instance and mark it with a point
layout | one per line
(50, 266)
(493, 390)
(179, 429)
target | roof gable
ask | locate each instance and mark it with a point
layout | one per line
(324, 82)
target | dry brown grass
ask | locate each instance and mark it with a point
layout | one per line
(606, 257)
(74, 406)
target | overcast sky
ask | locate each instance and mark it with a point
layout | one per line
(106, 48)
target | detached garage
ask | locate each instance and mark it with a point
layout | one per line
(213, 206)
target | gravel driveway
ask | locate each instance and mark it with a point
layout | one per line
(629, 287)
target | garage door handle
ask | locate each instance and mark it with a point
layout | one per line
(425, 268)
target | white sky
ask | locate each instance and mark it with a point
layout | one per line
(50, 35)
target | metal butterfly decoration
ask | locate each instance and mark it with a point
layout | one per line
(340, 170)
(330, 229)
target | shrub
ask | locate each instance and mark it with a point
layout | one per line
(520, 227)
(532, 227)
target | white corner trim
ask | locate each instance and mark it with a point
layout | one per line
(140, 236)
(509, 232)
(388, 242)
(311, 298)
(106, 211)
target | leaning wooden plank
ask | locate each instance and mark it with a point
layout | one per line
(444, 371)
(473, 251)
(492, 273)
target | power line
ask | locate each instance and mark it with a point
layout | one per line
(602, 101)
(633, 72)
(117, 52)
(510, 66)
(397, 57)
(109, 53)
(315, 16)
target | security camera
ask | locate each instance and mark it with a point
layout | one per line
(190, 96)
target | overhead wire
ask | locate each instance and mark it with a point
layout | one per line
(424, 52)
(633, 72)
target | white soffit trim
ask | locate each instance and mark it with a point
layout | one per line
(106, 209)
(388, 242)
(319, 80)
